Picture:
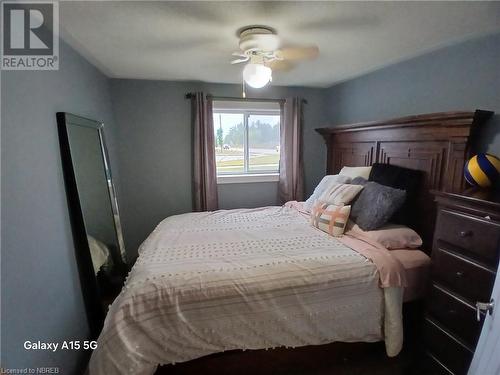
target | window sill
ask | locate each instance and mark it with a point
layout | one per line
(247, 178)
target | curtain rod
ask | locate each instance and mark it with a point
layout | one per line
(230, 98)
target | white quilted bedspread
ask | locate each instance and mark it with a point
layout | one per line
(242, 279)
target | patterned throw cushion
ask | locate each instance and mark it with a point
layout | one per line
(330, 218)
(325, 184)
(340, 194)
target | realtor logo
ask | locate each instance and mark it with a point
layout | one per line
(30, 35)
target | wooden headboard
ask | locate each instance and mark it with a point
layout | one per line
(437, 144)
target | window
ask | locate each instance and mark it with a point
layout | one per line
(247, 139)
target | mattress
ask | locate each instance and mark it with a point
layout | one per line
(242, 279)
(417, 267)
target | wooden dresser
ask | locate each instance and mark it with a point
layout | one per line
(464, 262)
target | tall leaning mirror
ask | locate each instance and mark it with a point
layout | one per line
(100, 251)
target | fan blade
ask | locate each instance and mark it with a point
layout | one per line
(237, 61)
(280, 65)
(298, 53)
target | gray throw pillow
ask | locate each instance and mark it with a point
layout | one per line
(376, 204)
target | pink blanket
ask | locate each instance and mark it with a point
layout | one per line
(391, 271)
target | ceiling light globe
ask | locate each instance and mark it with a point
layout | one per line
(257, 75)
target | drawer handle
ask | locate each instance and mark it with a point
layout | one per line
(459, 274)
(452, 312)
(465, 233)
(486, 307)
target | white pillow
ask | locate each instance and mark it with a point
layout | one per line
(323, 185)
(354, 172)
(340, 194)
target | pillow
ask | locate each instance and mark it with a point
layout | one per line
(340, 193)
(324, 184)
(354, 172)
(390, 236)
(409, 180)
(330, 218)
(375, 204)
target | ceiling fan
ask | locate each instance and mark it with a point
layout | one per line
(260, 50)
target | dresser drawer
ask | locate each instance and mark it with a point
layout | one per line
(462, 276)
(476, 237)
(456, 315)
(446, 349)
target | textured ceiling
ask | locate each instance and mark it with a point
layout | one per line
(194, 40)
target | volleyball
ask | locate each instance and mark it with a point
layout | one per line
(482, 170)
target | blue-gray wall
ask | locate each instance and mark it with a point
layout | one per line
(41, 294)
(248, 195)
(155, 152)
(460, 77)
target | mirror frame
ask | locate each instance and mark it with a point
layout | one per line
(93, 305)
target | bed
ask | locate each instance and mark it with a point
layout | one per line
(263, 278)
(244, 279)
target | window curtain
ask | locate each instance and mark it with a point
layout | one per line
(204, 167)
(291, 178)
